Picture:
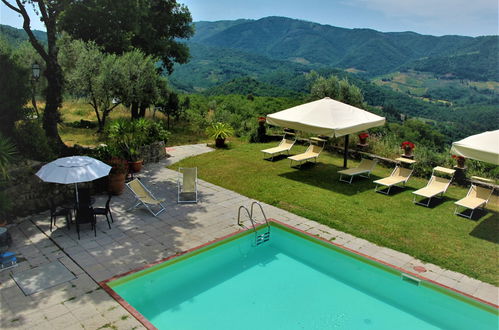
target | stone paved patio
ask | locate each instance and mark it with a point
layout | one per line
(137, 239)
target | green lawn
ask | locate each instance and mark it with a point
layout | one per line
(433, 235)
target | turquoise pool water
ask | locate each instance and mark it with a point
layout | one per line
(291, 282)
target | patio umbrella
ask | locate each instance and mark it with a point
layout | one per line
(73, 169)
(483, 147)
(327, 117)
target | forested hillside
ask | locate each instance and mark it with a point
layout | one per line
(370, 51)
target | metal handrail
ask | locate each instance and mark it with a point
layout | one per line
(261, 209)
(249, 215)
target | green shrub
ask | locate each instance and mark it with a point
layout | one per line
(219, 130)
(7, 153)
(32, 142)
(127, 136)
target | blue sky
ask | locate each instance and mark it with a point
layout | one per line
(436, 17)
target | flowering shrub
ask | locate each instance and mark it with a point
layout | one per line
(407, 145)
(363, 135)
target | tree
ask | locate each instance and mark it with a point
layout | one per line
(49, 11)
(335, 88)
(14, 91)
(89, 72)
(170, 106)
(153, 26)
(136, 81)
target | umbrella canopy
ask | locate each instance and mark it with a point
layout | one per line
(483, 147)
(73, 170)
(326, 117)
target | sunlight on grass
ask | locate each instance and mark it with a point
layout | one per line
(76, 110)
(433, 235)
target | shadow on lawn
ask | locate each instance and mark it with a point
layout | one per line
(488, 229)
(326, 176)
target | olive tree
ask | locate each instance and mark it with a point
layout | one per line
(88, 72)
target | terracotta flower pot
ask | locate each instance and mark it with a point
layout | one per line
(135, 167)
(116, 183)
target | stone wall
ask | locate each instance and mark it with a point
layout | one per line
(153, 152)
(28, 194)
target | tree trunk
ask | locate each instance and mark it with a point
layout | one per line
(134, 110)
(53, 101)
(143, 108)
(102, 123)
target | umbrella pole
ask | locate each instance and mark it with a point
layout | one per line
(345, 152)
(76, 192)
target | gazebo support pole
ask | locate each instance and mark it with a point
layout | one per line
(345, 152)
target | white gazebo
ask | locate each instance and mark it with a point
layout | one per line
(483, 147)
(327, 117)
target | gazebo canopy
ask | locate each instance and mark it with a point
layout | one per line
(326, 117)
(483, 147)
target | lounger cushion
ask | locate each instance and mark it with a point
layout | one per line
(437, 186)
(391, 180)
(275, 150)
(365, 166)
(284, 145)
(304, 156)
(354, 171)
(471, 202)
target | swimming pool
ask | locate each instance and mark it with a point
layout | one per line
(293, 281)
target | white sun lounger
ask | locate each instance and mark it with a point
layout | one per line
(399, 175)
(436, 186)
(312, 153)
(366, 166)
(284, 146)
(477, 197)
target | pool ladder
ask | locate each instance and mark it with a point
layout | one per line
(259, 238)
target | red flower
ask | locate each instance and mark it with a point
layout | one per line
(457, 157)
(262, 119)
(407, 144)
(363, 135)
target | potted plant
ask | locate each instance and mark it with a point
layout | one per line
(408, 147)
(115, 158)
(363, 138)
(460, 160)
(127, 137)
(117, 175)
(219, 132)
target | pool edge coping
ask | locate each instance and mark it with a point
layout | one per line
(382, 264)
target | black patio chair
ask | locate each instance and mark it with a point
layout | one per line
(84, 197)
(55, 212)
(105, 211)
(85, 215)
